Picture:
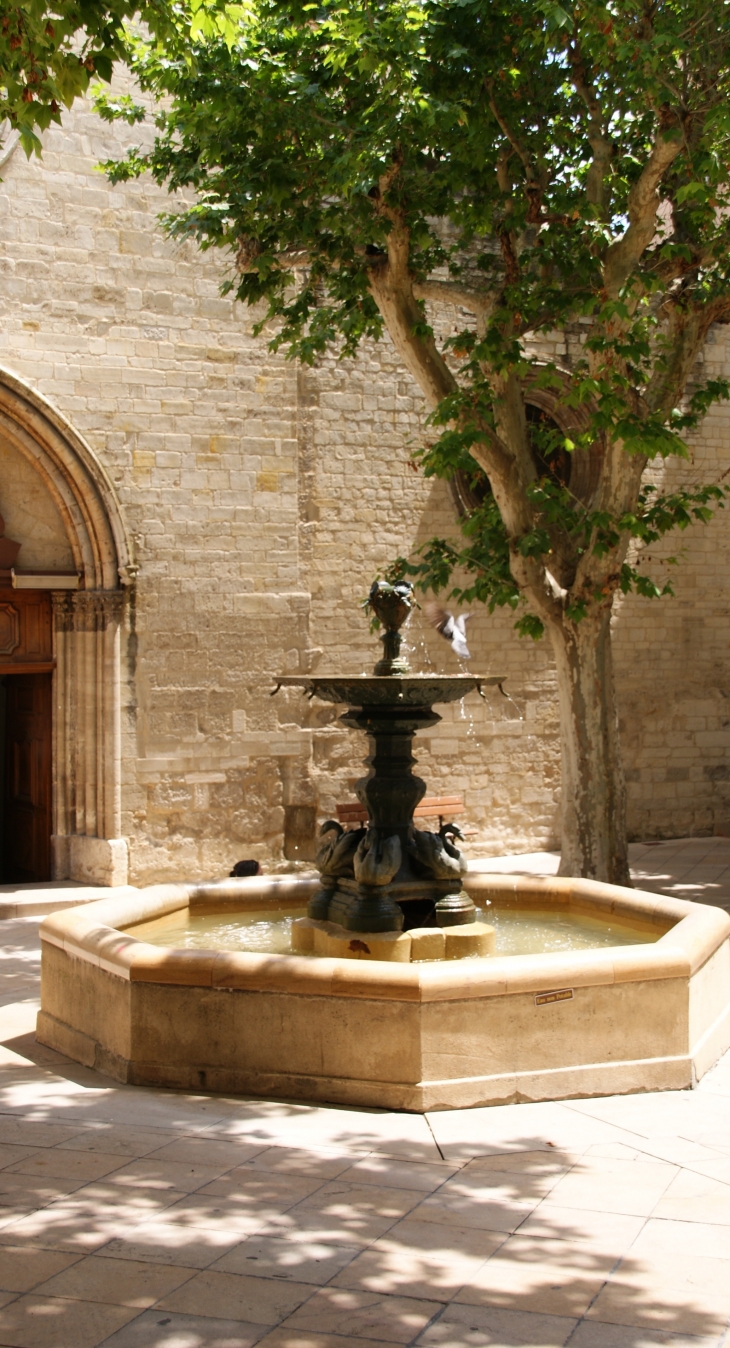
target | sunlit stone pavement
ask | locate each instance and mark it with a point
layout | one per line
(685, 868)
(142, 1219)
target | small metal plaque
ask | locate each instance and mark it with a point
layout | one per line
(561, 995)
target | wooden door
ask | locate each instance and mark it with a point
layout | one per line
(27, 813)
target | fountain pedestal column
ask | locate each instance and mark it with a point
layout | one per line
(410, 895)
(390, 791)
(390, 874)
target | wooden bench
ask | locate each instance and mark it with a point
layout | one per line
(431, 807)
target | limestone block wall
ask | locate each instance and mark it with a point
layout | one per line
(128, 336)
(262, 499)
(672, 657)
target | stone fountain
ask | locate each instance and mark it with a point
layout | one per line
(390, 875)
(390, 1018)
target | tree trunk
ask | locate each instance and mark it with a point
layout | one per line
(593, 803)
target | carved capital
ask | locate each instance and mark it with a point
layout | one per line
(63, 610)
(96, 610)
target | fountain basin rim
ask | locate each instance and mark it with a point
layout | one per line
(397, 1036)
(408, 690)
(95, 933)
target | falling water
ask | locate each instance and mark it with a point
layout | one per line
(416, 649)
(467, 714)
(503, 694)
(520, 717)
(408, 648)
(424, 659)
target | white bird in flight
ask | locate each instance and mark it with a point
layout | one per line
(451, 628)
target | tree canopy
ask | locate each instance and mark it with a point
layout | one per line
(50, 50)
(543, 167)
(535, 165)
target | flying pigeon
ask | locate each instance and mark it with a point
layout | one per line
(453, 629)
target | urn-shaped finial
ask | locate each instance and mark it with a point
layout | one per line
(392, 605)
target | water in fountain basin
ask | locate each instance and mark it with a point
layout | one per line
(528, 932)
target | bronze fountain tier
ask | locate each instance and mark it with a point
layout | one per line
(390, 876)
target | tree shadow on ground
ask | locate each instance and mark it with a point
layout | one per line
(371, 1247)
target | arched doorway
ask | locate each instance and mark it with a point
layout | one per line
(65, 563)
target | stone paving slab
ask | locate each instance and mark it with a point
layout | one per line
(139, 1218)
(588, 1222)
(54, 895)
(696, 869)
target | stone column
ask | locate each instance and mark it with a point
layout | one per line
(87, 738)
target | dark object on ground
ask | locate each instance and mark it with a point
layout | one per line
(244, 868)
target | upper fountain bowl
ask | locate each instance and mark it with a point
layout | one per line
(371, 690)
(392, 684)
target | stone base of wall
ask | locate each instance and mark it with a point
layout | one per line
(91, 861)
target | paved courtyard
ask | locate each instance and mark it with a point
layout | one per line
(685, 868)
(136, 1218)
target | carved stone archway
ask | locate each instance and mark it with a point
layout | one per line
(87, 623)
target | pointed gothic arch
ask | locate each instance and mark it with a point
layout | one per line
(78, 483)
(87, 624)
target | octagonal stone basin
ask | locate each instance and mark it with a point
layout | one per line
(649, 1016)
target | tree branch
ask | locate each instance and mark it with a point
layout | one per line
(391, 286)
(532, 577)
(535, 177)
(643, 202)
(669, 269)
(688, 328)
(453, 292)
(600, 144)
(621, 475)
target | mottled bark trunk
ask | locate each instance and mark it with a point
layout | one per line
(593, 803)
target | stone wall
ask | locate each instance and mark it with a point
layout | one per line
(262, 499)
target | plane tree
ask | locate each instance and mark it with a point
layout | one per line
(474, 177)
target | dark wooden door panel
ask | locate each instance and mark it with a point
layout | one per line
(25, 628)
(27, 824)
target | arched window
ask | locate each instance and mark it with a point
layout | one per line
(549, 423)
